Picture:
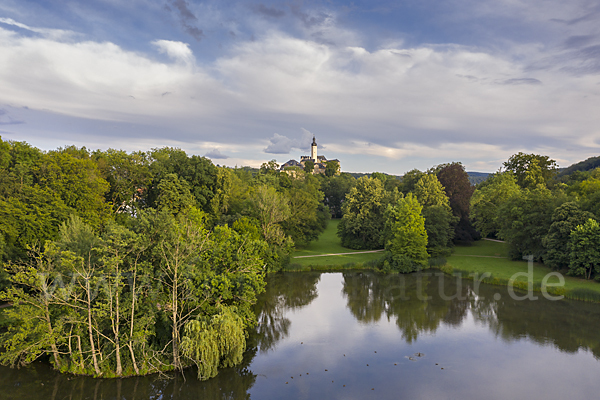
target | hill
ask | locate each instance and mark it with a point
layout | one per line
(586, 165)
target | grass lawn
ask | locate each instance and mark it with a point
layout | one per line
(329, 243)
(504, 268)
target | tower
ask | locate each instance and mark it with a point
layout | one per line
(313, 150)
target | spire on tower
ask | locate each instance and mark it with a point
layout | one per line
(314, 143)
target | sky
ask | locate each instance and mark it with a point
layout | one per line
(384, 86)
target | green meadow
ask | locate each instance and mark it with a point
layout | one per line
(329, 243)
(492, 257)
(483, 256)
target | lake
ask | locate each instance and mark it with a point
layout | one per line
(360, 335)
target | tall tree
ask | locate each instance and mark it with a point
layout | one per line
(459, 190)
(531, 169)
(362, 223)
(335, 189)
(332, 168)
(565, 219)
(584, 245)
(487, 200)
(405, 236)
(430, 192)
(525, 219)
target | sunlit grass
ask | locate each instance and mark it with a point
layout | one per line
(330, 243)
(505, 268)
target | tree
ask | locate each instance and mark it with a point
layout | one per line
(332, 168)
(487, 200)
(335, 189)
(309, 166)
(272, 209)
(308, 217)
(405, 236)
(525, 219)
(429, 192)
(410, 179)
(362, 223)
(565, 219)
(128, 176)
(584, 246)
(531, 169)
(174, 195)
(75, 178)
(270, 167)
(439, 225)
(459, 190)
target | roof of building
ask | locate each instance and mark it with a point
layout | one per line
(291, 163)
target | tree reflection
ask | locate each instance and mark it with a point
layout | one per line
(288, 291)
(416, 301)
(567, 325)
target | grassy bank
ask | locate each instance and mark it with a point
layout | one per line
(492, 257)
(329, 243)
(484, 256)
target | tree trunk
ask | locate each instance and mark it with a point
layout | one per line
(119, 368)
(89, 323)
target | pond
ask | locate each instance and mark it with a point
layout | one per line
(360, 335)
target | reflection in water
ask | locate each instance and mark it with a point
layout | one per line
(284, 292)
(415, 301)
(417, 305)
(567, 325)
(39, 381)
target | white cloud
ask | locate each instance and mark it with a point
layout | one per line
(279, 144)
(395, 102)
(176, 50)
(56, 34)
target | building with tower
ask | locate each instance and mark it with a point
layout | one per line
(319, 162)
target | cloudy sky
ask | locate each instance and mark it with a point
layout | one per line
(383, 85)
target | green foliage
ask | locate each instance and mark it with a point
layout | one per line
(307, 217)
(271, 208)
(335, 189)
(410, 179)
(405, 236)
(430, 192)
(75, 178)
(332, 168)
(362, 223)
(584, 247)
(531, 169)
(128, 176)
(459, 190)
(439, 225)
(117, 303)
(525, 219)
(173, 195)
(270, 167)
(487, 200)
(565, 219)
(215, 342)
(309, 166)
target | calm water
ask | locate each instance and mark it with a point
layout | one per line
(362, 335)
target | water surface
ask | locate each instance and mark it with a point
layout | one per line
(362, 335)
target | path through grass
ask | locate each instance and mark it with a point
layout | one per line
(329, 243)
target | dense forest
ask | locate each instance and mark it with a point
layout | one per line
(120, 264)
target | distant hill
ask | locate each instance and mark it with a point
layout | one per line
(586, 165)
(477, 177)
(474, 177)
